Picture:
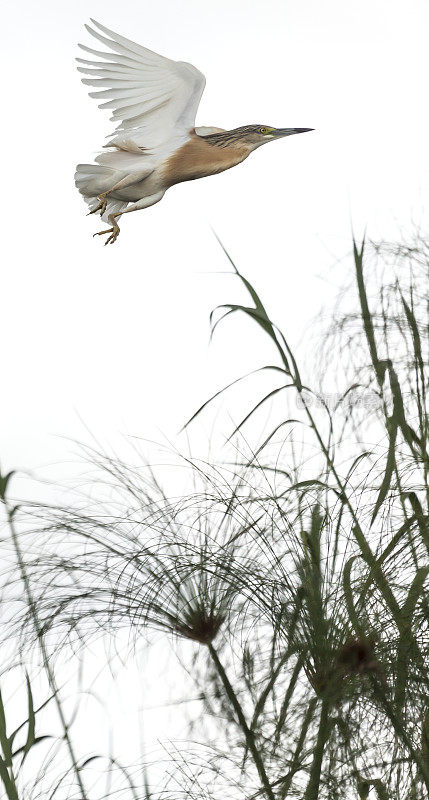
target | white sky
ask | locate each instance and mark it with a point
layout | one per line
(119, 336)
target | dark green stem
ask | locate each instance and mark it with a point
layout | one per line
(312, 791)
(401, 732)
(297, 756)
(39, 633)
(248, 734)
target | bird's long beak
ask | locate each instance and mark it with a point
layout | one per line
(290, 131)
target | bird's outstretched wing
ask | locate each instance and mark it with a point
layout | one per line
(154, 99)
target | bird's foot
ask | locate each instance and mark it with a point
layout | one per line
(101, 206)
(114, 233)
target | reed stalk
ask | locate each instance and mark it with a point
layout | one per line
(39, 633)
(249, 736)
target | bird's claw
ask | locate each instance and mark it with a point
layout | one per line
(101, 206)
(114, 233)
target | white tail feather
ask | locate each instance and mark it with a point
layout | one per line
(94, 179)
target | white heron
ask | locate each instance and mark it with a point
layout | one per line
(156, 143)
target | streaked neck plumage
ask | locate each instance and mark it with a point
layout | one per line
(230, 138)
(206, 155)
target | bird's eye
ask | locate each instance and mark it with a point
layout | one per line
(263, 130)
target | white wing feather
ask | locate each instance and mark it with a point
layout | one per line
(154, 99)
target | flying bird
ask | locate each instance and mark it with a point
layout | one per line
(156, 144)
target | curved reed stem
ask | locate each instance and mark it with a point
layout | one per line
(39, 633)
(248, 735)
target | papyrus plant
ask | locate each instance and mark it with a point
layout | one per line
(293, 581)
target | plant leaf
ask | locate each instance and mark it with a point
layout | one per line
(31, 734)
(390, 466)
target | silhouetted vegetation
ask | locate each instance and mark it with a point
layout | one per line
(293, 580)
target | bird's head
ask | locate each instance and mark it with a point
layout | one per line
(256, 135)
(250, 136)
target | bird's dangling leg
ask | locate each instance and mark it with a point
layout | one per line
(101, 206)
(145, 202)
(128, 180)
(114, 230)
